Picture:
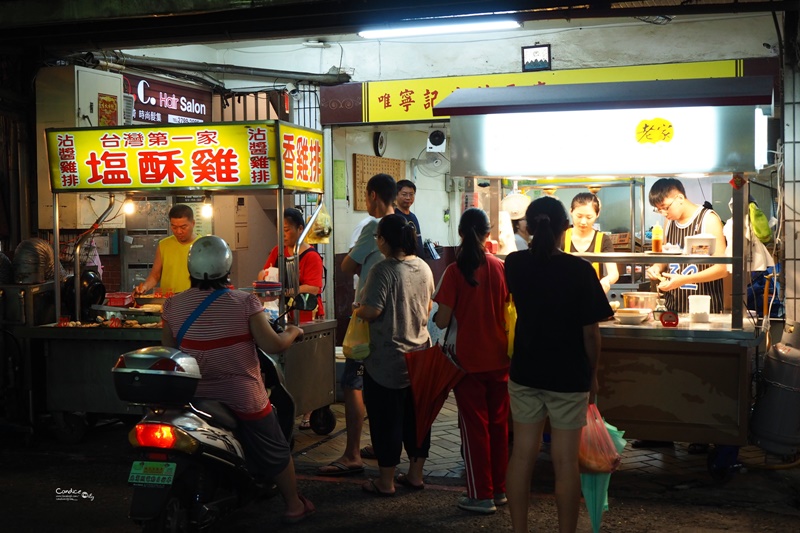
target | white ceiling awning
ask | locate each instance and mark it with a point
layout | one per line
(714, 92)
(632, 128)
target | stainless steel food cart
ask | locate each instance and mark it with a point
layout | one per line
(272, 156)
(690, 383)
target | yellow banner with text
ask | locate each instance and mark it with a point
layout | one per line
(413, 100)
(198, 156)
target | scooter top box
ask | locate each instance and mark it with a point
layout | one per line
(156, 375)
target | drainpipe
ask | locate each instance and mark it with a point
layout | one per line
(334, 77)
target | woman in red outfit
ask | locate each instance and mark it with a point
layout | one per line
(473, 293)
(310, 270)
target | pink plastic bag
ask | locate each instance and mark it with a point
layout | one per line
(597, 453)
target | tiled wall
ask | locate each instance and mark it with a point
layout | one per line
(111, 272)
(792, 191)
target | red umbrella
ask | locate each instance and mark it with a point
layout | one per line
(433, 375)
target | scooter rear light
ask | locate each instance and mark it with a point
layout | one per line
(164, 436)
(121, 362)
(167, 365)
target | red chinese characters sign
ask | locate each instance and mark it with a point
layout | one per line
(301, 158)
(208, 156)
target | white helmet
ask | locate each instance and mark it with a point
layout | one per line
(210, 258)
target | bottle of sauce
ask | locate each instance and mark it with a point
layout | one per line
(657, 238)
(660, 309)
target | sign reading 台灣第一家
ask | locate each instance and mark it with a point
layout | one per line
(251, 155)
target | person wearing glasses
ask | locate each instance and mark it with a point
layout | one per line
(406, 192)
(678, 281)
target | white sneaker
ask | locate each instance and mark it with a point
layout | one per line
(476, 506)
(500, 498)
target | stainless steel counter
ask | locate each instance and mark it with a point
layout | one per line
(717, 330)
(690, 384)
(78, 362)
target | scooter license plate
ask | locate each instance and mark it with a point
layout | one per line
(151, 474)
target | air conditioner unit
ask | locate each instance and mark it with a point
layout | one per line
(437, 140)
(127, 109)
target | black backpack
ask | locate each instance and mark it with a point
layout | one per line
(324, 268)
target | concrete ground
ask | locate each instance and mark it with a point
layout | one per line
(666, 490)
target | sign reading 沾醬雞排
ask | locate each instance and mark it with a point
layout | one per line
(250, 155)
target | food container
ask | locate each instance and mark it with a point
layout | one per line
(156, 375)
(119, 299)
(642, 300)
(699, 245)
(145, 299)
(699, 307)
(632, 316)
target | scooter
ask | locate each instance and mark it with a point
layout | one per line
(190, 468)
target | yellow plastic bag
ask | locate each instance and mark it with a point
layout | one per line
(356, 340)
(321, 229)
(510, 314)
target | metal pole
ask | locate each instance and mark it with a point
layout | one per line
(738, 287)
(57, 262)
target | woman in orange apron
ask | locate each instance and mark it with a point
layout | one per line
(583, 238)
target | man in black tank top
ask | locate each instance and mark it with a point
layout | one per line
(680, 280)
(684, 219)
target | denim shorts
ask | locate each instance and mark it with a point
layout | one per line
(353, 375)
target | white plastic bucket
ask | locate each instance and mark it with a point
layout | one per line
(699, 307)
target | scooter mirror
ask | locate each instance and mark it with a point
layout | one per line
(305, 302)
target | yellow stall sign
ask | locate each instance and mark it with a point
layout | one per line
(198, 156)
(414, 99)
(301, 158)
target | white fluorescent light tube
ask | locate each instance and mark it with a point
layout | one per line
(414, 31)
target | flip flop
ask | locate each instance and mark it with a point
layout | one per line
(308, 510)
(371, 488)
(341, 470)
(367, 452)
(402, 479)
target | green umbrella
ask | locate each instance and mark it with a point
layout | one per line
(595, 494)
(595, 486)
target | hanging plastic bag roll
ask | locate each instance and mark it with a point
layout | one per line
(321, 229)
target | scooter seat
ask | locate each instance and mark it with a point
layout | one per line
(215, 412)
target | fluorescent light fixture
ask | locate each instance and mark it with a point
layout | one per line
(439, 29)
(762, 138)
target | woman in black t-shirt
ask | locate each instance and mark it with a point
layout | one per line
(559, 303)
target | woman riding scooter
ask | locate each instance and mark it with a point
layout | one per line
(220, 328)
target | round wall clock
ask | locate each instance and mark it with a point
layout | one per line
(379, 143)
